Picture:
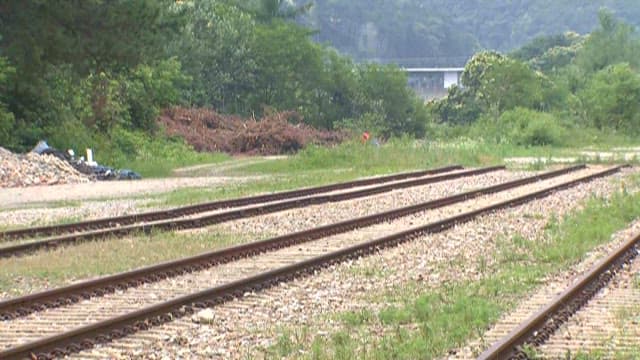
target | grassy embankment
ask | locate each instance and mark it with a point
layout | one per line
(318, 165)
(429, 323)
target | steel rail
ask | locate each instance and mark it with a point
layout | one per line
(207, 220)
(209, 206)
(22, 306)
(539, 327)
(103, 331)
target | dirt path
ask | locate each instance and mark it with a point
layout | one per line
(220, 168)
(15, 197)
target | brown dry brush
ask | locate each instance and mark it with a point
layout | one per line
(276, 133)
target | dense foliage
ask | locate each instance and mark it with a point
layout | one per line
(447, 33)
(91, 73)
(549, 85)
(79, 73)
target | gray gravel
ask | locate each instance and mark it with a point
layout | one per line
(74, 206)
(554, 285)
(241, 328)
(288, 221)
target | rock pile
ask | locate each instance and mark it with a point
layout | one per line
(33, 169)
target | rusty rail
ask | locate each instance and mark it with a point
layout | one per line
(121, 326)
(22, 306)
(207, 220)
(208, 206)
(538, 328)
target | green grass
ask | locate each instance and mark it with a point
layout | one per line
(158, 167)
(427, 323)
(319, 165)
(322, 165)
(68, 264)
(353, 157)
(159, 156)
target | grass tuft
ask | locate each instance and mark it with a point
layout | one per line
(428, 324)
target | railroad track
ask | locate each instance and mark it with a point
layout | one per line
(67, 334)
(535, 331)
(220, 217)
(210, 206)
(14, 308)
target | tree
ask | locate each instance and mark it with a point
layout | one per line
(492, 84)
(613, 42)
(289, 68)
(215, 50)
(93, 36)
(268, 10)
(611, 99)
(7, 120)
(385, 93)
(73, 59)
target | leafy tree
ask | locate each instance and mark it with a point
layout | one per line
(7, 120)
(540, 45)
(459, 107)
(288, 68)
(385, 92)
(506, 84)
(93, 36)
(269, 10)
(611, 99)
(215, 49)
(550, 53)
(71, 58)
(337, 92)
(613, 42)
(492, 84)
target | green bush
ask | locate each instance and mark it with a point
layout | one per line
(611, 99)
(149, 88)
(520, 127)
(7, 121)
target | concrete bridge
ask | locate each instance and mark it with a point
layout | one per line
(430, 77)
(433, 83)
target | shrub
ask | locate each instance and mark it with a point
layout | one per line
(7, 121)
(611, 99)
(521, 127)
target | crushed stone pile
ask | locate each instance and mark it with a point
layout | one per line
(32, 169)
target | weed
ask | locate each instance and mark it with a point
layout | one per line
(357, 318)
(66, 264)
(428, 324)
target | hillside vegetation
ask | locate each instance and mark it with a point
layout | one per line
(99, 73)
(446, 33)
(557, 90)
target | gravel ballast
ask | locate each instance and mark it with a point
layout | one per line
(242, 327)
